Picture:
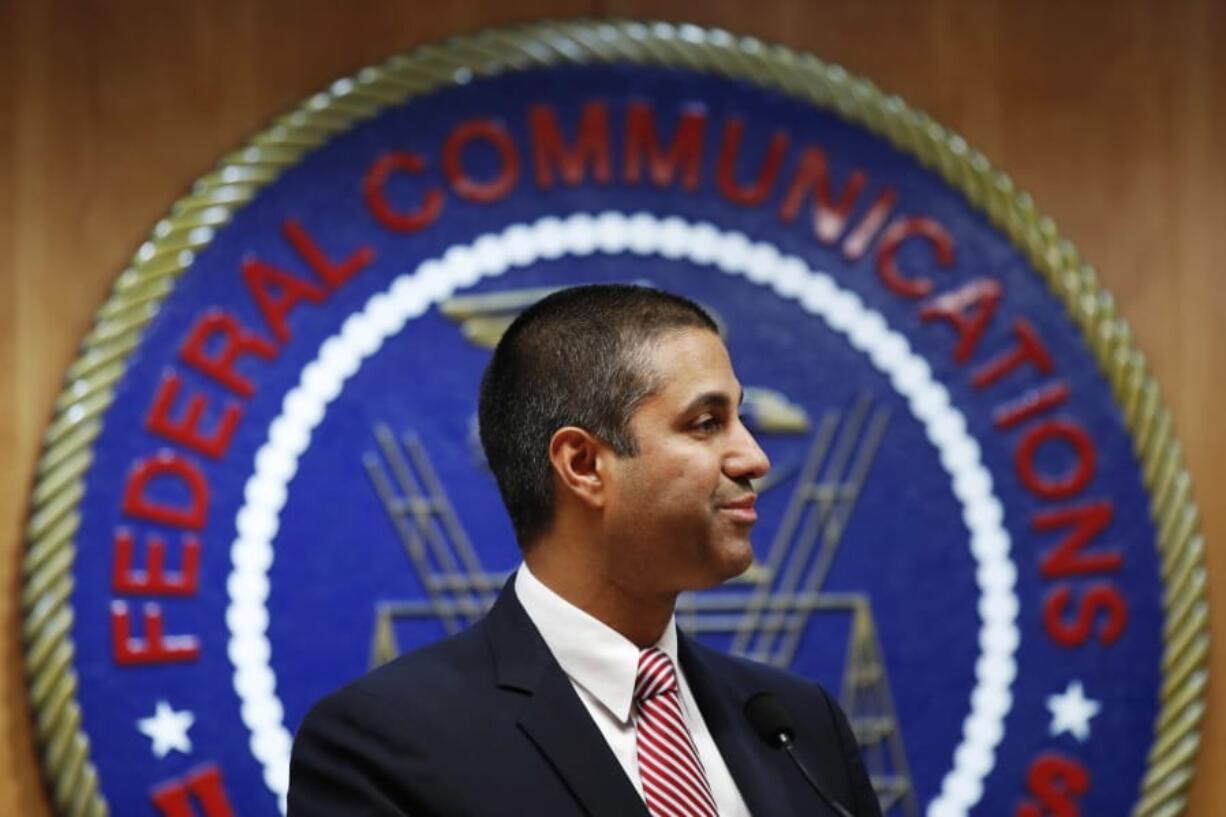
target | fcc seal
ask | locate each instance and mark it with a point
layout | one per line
(265, 478)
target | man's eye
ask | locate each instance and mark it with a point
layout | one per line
(708, 423)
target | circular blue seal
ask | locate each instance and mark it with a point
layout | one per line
(286, 487)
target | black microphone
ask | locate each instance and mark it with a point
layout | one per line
(774, 725)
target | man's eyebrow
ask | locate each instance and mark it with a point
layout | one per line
(713, 399)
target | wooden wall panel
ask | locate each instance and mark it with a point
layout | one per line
(1112, 115)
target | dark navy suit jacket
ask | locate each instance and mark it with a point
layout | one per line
(487, 723)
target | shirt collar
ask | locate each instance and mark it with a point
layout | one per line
(592, 654)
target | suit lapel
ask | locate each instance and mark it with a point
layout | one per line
(553, 717)
(560, 725)
(743, 751)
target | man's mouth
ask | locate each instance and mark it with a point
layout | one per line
(742, 509)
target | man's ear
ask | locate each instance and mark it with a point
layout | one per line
(576, 458)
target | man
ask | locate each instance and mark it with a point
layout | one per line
(609, 416)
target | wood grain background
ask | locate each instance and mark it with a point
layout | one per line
(1113, 115)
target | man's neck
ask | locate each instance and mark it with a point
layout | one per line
(580, 578)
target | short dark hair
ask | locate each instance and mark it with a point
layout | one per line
(577, 357)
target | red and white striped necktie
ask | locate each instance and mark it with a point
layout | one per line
(674, 783)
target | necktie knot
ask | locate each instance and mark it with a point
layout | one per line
(656, 675)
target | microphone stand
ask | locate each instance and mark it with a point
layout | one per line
(789, 746)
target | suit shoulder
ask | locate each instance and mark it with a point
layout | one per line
(751, 676)
(375, 740)
(812, 707)
(821, 727)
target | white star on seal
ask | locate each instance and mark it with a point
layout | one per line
(168, 730)
(1071, 711)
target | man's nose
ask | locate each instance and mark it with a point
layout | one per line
(748, 460)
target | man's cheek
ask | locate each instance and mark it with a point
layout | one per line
(680, 471)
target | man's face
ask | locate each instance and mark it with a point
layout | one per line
(681, 510)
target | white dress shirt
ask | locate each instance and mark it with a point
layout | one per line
(602, 664)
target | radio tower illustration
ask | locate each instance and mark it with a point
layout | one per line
(765, 613)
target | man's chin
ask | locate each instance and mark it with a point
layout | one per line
(743, 565)
(734, 561)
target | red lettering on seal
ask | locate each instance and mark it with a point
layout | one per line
(277, 292)
(167, 465)
(1055, 783)
(1029, 349)
(914, 287)
(1100, 602)
(686, 147)
(154, 580)
(1069, 558)
(486, 130)
(968, 309)
(155, 647)
(186, 431)
(1061, 487)
(204, 786)
(332, 273)
(755, 193)
(374, 187)
(591, 146)
(217, 327)
(829, 219)
(858, 239)
(1030, 404)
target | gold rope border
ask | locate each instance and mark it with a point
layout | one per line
(213, 200)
